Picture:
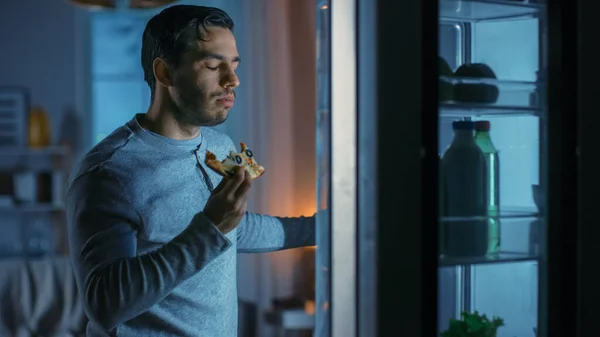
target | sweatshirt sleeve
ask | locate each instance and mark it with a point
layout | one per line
(117, 284)
(263, 233)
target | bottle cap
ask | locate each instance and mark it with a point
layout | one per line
(462, 125)
(482, 126)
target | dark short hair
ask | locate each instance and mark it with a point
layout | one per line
(171, 32)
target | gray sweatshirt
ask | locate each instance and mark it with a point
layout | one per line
(147, 261)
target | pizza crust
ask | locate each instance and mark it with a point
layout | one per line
(243, 158)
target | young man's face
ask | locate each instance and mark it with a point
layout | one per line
(204, 81)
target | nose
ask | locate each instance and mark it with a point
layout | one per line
(230, 80)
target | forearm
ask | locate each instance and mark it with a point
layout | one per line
(263, 233)
(299, 232)
(119, 290)
(116, 282)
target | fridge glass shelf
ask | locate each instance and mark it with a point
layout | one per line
(505, 213)
(502, 257)
(480, 10)
(519, 237)
(514, 97)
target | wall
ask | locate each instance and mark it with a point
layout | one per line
(39, 50)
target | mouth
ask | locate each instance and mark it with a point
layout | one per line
(226, 100)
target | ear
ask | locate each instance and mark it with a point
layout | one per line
(161, 72)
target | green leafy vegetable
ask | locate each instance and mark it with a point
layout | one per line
(473, 325)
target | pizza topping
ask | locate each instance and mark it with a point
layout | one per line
(243, 158)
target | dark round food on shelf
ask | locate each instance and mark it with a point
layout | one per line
(444, 68)
(445, 87)
(475, 93)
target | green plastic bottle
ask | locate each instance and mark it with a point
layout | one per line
(484, 141)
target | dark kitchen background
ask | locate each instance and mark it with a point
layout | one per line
(69, 75)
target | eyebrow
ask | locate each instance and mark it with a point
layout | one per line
(202, 56)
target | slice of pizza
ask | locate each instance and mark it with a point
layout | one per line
(226, 166)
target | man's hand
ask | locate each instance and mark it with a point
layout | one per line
(227, 203)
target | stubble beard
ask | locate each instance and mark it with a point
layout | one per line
(197, 113)
(201, 116)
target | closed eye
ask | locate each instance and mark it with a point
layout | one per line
(212, 68)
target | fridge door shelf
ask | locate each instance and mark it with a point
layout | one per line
(519, 239)
(480, 10)
(503, 257)
(513, 97)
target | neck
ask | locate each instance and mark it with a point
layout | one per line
(160, 119)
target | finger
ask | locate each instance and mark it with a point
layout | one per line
(232, 184)
(244, 188)
(239, 173)
(224, 181)
(219, 187)
(242, 204)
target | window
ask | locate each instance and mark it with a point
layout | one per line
(118, 87)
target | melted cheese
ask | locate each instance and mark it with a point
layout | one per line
(231, 161)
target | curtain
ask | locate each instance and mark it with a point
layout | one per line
(275, 116)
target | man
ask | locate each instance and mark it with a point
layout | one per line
(153, 232)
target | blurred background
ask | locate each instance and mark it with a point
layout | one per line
(70, 75)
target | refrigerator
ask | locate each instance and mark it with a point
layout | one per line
(416, 240)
